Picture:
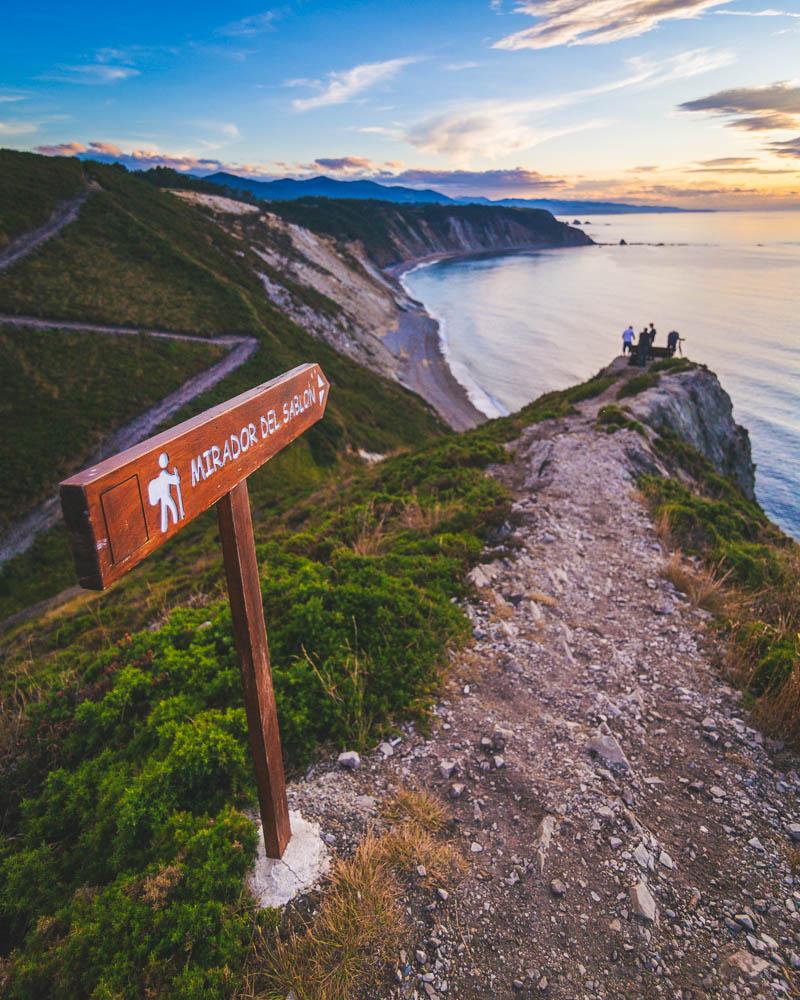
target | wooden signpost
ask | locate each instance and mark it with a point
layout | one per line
(121, 510)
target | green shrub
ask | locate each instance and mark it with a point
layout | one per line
(734, 537)
(612, 418)
(639, 383)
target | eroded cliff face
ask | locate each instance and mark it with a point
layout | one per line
(462, 233)
(331, 276)
(693, 405)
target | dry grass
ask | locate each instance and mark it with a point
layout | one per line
(420, 808)
(371, 535)
(542, 598)
(779, 713)
(705, 588)
(344, 950)
(427, 519)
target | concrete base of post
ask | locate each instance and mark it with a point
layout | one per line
(304, 862)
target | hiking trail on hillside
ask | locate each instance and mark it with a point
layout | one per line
(627, 833)
(65, 213)
(22, 533)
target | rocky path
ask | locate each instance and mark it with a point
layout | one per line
(628, 835)
(66, 212)
(21, 535)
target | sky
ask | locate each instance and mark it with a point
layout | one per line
(694, 103)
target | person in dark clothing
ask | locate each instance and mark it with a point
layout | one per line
(652, 334)
(643, 348)
(673, 339)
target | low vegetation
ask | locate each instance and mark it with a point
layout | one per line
(344, 949)
(752, 571)
(31, 188)
(613, 418)
(123, 754)
(84, 386)
(639, 383)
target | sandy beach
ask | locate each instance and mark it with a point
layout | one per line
(423, 367)
(417, 345)
(424, 370)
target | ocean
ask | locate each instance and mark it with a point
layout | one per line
(517, 325)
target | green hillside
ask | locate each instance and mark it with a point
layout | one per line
(138, 256)
(125, 774)
(31, 187)
(84, 386)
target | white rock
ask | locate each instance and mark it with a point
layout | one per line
(274, 882)
(350, 760)
(642, 902)
(744, 963)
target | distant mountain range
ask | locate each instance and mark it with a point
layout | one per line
(287, 189)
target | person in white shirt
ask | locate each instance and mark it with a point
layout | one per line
(627, 340)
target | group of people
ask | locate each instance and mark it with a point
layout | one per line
(645, 342)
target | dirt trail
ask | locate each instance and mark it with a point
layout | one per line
(21, 535)
(628, 835)
(66, 212)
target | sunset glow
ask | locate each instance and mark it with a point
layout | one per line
(689, 103)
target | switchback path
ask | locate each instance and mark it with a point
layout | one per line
(22, 533)
(66, 212)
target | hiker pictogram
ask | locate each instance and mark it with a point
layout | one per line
(160, 491)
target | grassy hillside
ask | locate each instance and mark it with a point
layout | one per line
(140, 256)
(84, 385)
(124, 766)
(750, 579)
(31, 187)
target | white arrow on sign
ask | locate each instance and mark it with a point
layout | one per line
(321, 387)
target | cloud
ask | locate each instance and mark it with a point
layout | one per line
(648, 168)
(17, 128)
(457, 67)
(246, 27)
(62, 149)
(226, 130)
(596, 22)
(137, 159)
(489, 128)
(739, 170)
(786, 147)
(93, 73)
(753, 109)
(758, 13)
(11, 98)
(727, 161)
(340, 87)
(346, 165)
(508, 180)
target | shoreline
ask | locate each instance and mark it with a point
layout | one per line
(418, 344)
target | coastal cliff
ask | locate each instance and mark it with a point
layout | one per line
(334, 267)
(626, 827)
(699, 411)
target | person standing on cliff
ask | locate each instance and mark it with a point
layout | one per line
(643, 348)
(652, 333)
(673, 339)
(627, 340)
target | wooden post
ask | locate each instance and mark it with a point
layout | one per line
(247, 610)
(120, 511)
